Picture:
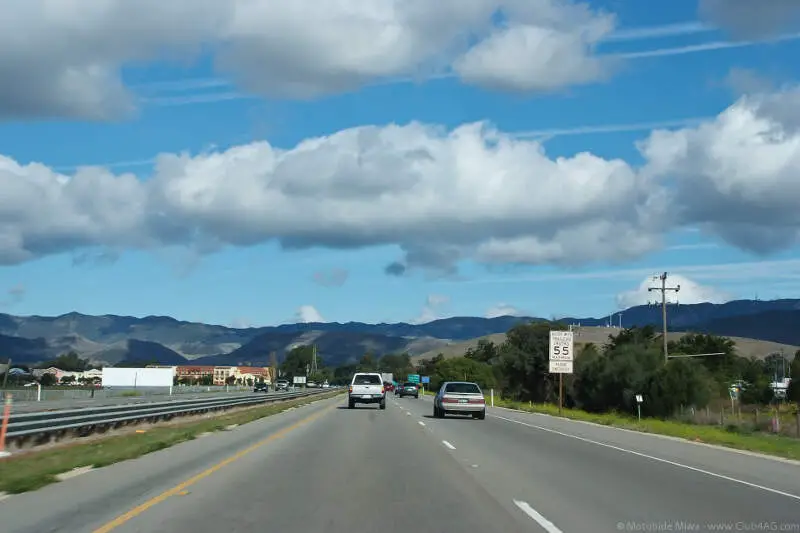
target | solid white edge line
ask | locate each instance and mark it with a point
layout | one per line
(546, 524)
(448, 445)
(656, 436)
(653, 458)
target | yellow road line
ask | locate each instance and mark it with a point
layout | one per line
(136, 511)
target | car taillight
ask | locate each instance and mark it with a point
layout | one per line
(449, 400)
(383, 390)
(350, 388)
(477, 400)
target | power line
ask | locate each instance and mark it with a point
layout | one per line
(664, 289)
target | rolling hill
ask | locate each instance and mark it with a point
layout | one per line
(112, 339)
(745, 347)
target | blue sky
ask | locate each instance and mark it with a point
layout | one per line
(475, 229)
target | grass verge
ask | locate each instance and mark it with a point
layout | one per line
(30, 471)
(730, 436)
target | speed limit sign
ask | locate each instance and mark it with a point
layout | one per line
(561, 345)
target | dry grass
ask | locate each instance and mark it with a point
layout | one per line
(730, 435)
(599, 335)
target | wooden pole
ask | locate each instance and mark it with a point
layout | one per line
(560, 392)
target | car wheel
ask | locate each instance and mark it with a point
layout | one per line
(482, 415)
(351, 405)
(416, 396)
(435, 412)
(383, 404)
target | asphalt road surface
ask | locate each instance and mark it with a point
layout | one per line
(325, 468)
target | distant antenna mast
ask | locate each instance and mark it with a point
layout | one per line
(664, 289)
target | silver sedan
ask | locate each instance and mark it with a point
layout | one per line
(462, 397)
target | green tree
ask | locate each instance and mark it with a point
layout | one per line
(524, 362)
(70, 362)
(398, 364)
(368, 363)
(610, 380)
(680, 382)
(462, 369)
(297, 361)
(48, 380)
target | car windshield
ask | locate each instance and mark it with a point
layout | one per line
(367, 379)
(409, 385)
(462, 388)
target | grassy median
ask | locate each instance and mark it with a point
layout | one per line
(30, 471)
(730, 436)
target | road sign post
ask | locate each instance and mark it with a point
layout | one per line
(561, 359)
(639, 400)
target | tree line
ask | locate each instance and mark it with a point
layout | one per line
(608, 377)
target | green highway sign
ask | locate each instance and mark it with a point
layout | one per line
(413, 378)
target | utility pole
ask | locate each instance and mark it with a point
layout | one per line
(273, 363)
(314, 360)
(664, 289)
(8, 371)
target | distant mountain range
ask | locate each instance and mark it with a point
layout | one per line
(111, 339)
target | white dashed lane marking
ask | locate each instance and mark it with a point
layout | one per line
(546, 524)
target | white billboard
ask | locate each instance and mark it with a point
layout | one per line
(137, 377)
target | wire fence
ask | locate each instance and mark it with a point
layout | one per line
(783, 419)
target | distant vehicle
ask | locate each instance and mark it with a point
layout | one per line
(388, 386)
(462, 397)
(282, 384)
(409, 389)
(366, 387)
(261, 386)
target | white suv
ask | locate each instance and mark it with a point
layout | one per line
(366, 387)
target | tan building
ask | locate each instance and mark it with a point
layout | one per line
(256, 373)
(193, 373)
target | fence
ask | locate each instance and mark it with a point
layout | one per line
(29, 394)
(783, 419)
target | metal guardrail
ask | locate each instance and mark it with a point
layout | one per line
(43, 426)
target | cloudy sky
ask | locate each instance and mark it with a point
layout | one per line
(260, 161)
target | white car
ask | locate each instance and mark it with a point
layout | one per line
(366, 387)
(462, 397)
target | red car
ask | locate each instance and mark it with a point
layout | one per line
(388, 386)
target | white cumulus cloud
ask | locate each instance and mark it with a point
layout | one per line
(502, 309)
(64, 58)
(736, 176)
(441, 195)
(690, 292)
(308, 314)
(432, 309)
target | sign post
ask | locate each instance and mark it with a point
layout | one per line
(561, 359)
(639, 400)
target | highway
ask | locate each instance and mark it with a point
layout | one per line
(325, 468)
